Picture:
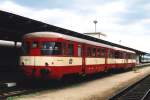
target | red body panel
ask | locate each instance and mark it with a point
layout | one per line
(90, 69)
(54, 72)
(59, 72)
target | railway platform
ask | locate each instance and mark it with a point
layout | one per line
(98, 89)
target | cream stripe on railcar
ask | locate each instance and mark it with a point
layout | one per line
(52, 61)
(94, 61)
(27, 60)
(134, 61)
(131, 61)
(58, 61)
(119, 61)
(111, 61)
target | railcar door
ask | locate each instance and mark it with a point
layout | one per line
(83, 58)
(125, 59)
(105, 54)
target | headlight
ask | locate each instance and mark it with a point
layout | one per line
(46, 64)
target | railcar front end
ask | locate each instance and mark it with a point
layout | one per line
(44, 58)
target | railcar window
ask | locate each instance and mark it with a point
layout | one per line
(117, 54)
(51, 48)
(98, 52)
(103, 52)
(133, 56)
(94, 52)
(113, 54)
(88, 52)
(79, 51)
(34, 44)
(129, 56)
(25, 48)
(70, 49)
(124, 55)
(120, 55)
(109, 53)
(64, 48)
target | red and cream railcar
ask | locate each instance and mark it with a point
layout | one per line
(52, 55)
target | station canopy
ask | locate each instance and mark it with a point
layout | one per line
(13, 27)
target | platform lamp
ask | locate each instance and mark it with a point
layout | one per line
(95, 22)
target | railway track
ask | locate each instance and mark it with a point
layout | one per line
(25, 87)
(31, 88)
(22, 88)
(137, 91)
(15, 91)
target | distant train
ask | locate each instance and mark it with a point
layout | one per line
(50, 55)
(145, 58)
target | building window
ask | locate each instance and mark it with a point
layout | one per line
(70, 50)
(79, 51)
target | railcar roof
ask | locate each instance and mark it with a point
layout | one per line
(44, 35)
(67, 37)
(13, 27)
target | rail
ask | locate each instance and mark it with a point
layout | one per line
(146, 96)
(137, 91)
(8, 91)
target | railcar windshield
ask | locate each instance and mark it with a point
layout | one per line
(51, 48)
(25, 48)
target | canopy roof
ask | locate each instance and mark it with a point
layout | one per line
(13, 27)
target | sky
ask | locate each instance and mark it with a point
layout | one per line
(127, 21)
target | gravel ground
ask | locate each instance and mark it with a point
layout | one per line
(99, 89)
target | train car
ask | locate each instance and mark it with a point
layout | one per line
(51, 55)
(145, 58)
